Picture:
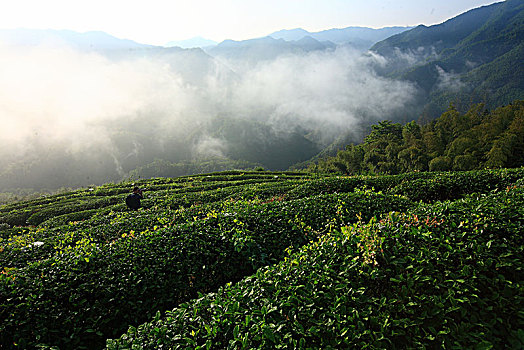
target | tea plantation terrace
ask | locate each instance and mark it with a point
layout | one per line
(269, 260)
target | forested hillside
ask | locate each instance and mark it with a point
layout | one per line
(257, 260)
(476, 139)
(474, 57)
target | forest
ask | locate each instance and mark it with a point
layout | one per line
(476, 139)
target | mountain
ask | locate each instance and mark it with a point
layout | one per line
(290, 34)
(192, 43)
(361, 38)
(236, 100)
(194, 65)
(474, 57)
(93, 40)
(266, 48)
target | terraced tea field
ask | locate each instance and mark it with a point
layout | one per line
(269, 260)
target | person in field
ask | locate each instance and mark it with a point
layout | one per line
(133, 200)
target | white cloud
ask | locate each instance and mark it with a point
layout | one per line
(448, 80)
(84, 103)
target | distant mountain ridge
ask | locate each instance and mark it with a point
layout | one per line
(359, 37)
(192, 43)
(51, 37)
(255, 50)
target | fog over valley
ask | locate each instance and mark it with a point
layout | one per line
(76, 114)
(80, 109)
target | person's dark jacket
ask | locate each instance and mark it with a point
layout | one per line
(133, 200)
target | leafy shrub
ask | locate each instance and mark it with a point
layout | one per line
(454, 185)
(416, 280)
(59, 209)
(74, 285)
(104, 284)
(17, 217)
(64, 219)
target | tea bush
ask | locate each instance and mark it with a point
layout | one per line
(415, 280)
(92, 290)
(93, 267)
(455, 185)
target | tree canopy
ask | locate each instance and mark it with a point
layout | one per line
(477, 139)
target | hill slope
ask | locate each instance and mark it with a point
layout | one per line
(301, 247)
(477, 139)
(449, 60)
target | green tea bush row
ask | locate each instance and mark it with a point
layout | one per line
(154, 185)
(59, 209)
(100, 225)
(35, 214)
(87, 292)
(43, 200)
(454, 185)
(64, 219)
(280, 191)
(195, 186)
(417, 186)
(447, 275)
(39, 211)
(426, 186)
(16, 217)
(234, 192)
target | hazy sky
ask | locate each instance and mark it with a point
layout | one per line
(159, 21)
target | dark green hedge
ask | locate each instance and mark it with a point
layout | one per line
(64, 219)
(455, 185)
(448, 275)
(91, 291)
(58, 209)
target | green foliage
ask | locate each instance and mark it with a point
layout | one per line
(442, 163)
(474, 57)
(292, 251)
(106, 281)
(442, 275)
(476, 139)
(455, 185)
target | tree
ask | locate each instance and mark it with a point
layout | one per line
(464, 162)
(412, 135)
(353, 158)
(413, 159)
(432, 143)
(384, 131)
(446, 125)
(442, 163)
(499, 154)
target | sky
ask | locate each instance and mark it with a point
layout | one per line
(157, 22)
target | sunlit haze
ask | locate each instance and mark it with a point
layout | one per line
(160, 21)
(80, 106)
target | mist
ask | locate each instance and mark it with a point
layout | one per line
(74, 117)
